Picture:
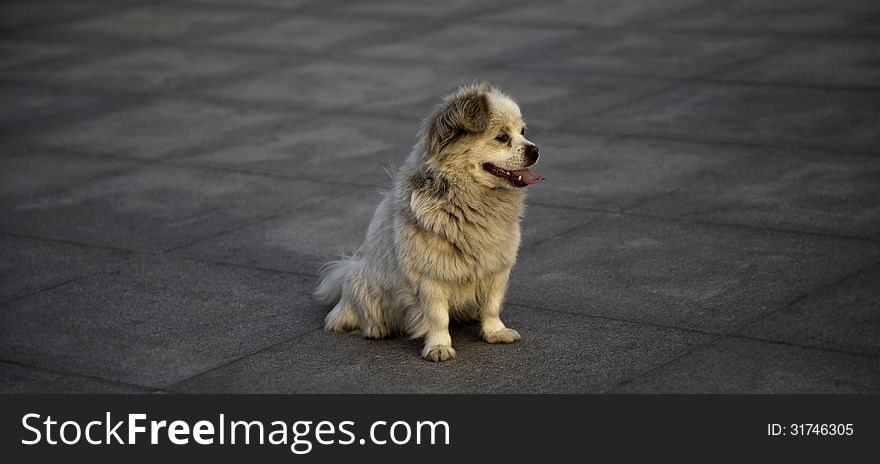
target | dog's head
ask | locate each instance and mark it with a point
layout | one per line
(479, 130)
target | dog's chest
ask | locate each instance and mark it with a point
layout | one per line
(463, 241)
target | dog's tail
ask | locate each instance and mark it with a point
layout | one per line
(332, 277)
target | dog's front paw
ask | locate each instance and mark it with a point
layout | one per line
(438, 353)
(504, 335)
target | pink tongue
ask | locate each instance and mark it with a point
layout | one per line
(528, 176)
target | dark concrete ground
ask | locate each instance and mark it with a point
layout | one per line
(174, 173)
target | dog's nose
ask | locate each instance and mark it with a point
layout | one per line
(531, 154)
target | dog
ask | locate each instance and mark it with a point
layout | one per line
(443, 240)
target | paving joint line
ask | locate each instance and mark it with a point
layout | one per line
(689, 220)
(280, 212)
(542, 240)
(89, 12)
(588, 209)
(721, 142)
(798, 345)
(135, 254)
(614, 319)
(804, 296)
(77, 374)
(50, 288)
(245, 266)
(75, 243)
(732, 333)
(241, 226)
(691, 349)
(648, 199)
(170, 387)
(206, 166)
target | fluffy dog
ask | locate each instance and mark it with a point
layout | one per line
(442, 242)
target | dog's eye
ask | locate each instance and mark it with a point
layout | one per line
(523, 132)
(503, 138)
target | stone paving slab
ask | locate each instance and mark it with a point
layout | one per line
(158, 21)
(831, 119)
(27, 104)
(843, 62)
(356, 150)
(787, 189)
(407, 9)
(559, 353)
(32, 265)
(145, 69)
(299, 241)
(22, 52)
(776, 16)
(454, 43)
(24, 13)
(844, 316)
(156, 130)
(617, 173)
(600, 13)
(652, 53)
(689, 275)
(154, 207)
(157, 321)
(737, 365)
(273, 5)
(302, 33)
(335, 84)
(28, 173)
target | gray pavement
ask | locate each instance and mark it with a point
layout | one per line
(173, 174)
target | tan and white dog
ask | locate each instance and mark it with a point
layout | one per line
(442, 242)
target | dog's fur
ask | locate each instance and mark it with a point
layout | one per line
(442, 242)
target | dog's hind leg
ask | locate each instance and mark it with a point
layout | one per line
(374, 323)
(341, 318)
(357, 309)
(364, 303)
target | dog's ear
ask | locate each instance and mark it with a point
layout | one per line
(462, 113)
